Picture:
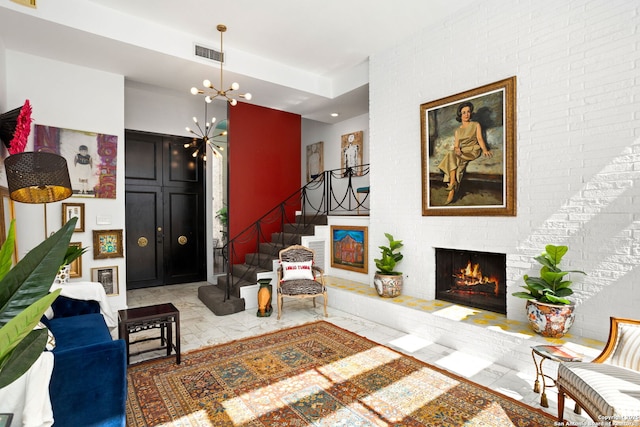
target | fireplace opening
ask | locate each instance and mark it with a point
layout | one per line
(471, 278)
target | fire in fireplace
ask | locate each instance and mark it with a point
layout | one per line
(471, 278)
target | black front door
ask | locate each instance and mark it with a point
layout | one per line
(164, 209)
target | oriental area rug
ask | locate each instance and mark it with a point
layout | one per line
(316, 374)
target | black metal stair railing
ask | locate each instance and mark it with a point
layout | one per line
(334, 192)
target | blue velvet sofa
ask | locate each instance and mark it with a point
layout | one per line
(89, 381)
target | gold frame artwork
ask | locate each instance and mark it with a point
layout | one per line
(315, 160)
(75, 268)
(72, 210)
(352, 148)
(107, 244)
(488, 184)
(358, 236)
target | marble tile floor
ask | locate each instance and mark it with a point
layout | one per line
(200, 328)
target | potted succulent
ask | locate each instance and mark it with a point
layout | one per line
(549, 311)
(387, 281)
(24, 297)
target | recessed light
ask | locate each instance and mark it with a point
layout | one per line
(335, 114)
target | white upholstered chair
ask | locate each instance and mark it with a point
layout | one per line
(298, 277)
(607, 388)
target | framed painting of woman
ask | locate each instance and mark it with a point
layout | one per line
(468, 152)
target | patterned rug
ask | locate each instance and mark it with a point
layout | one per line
(315, 374)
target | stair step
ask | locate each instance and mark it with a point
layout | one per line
(311, 219)
(307, 230)
(247, 272)
(235, 286)
(260, 259)
(287, 239)
(270, 248)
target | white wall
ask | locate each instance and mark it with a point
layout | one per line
(71, 97)
(578, 106)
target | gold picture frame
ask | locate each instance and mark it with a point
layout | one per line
(486, 185)
(73, 210)
(107, 277)
(75, 268)
(107, 244)
(349, 248)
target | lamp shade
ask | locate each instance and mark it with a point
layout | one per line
(37, 177)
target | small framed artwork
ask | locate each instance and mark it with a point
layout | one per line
(351, 146)
(73, 210)
(469, 152)
(75, 268)
(349, 248)
(315, 160)
(108, 278)
(107, 244)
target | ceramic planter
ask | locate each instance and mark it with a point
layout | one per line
(264, 298)
(550, 320)
(387, 285)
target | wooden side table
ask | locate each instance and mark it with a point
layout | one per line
(556, 353)
(162, 316)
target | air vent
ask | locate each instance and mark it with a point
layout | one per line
(205, 52)
(30, 3)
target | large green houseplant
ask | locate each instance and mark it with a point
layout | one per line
(388, 282)
(24, 297)
(549, 311)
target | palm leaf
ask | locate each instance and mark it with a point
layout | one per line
(20, 326)
(32, 277)
(24, 355)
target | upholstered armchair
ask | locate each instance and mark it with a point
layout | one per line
(607, 388)
(298, 277)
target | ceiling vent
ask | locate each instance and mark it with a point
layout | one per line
(30, 3)
(205, 52)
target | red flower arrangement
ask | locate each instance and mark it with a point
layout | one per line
(23, 129)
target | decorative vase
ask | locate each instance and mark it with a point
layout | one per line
(550, 320)
(388, 285)
(62, 277)
(264, 298)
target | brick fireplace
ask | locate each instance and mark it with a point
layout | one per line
(472, 278)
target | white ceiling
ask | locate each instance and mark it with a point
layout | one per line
(308, 57)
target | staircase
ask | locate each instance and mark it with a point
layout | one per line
(262, 261)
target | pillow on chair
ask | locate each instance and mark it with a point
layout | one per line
(297, 270)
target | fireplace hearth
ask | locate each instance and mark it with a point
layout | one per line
(471, 278)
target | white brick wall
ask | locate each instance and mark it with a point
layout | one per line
(578, 156)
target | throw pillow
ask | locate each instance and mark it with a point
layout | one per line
(297, 270)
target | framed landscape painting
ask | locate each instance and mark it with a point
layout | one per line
(349, 248)
(468, 152)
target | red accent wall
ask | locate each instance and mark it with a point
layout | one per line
(264, 167)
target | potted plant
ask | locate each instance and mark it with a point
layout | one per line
(73, 252)
(24, 297)
(549, 311)
(387, 281)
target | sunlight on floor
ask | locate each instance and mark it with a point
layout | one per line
(456, 312)
(201, 418)
(324, 377)
(410, 343)
(463, 364)
(406, 396)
